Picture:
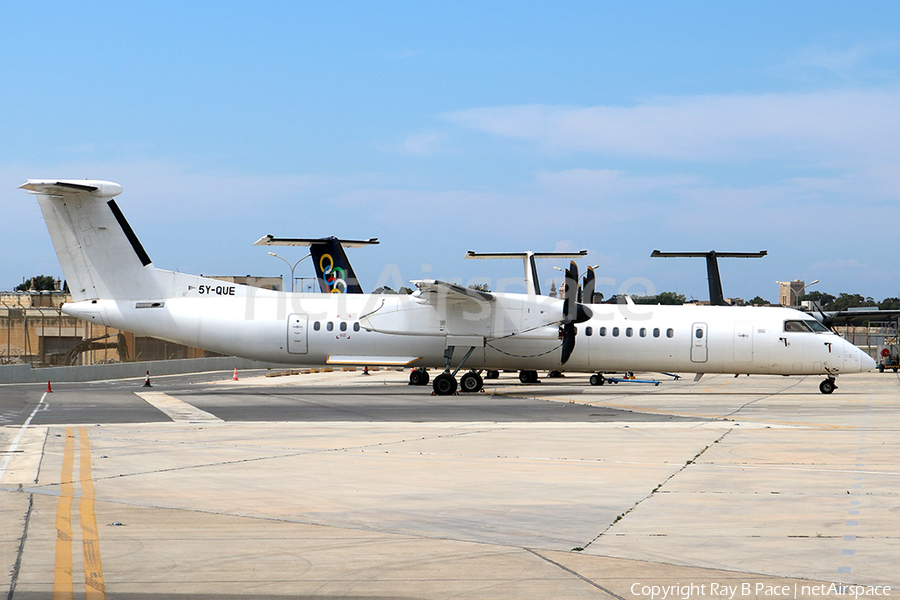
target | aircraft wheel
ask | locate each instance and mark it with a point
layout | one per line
(471, 382)
(492, 374)
(827, 386)
(444, 384)
(597, 379)
(418, 377)
(528, 377)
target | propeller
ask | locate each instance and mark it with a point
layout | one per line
(573, 312)
(587, 287)
(827, 321)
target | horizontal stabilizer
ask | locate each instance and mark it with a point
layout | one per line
(269, 240)
(59, 187)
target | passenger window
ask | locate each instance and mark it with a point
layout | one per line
(588, 331)
(656, 332)
(643, 332)
(629, 331)
(670, 332)
(615, 332)
(343, 326)
(698, 334)
(329, 326)
(356, 327)
(603, 332)
(317, 326)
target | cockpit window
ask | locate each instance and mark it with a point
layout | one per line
(816, 326)
(796, 326)
(810, 325)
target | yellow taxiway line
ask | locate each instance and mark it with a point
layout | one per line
(63, 588)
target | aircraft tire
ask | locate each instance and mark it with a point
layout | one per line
(827, 386)
(528, 376)
(471, 383)
(492, 374)
(444, 384)
(597, 379)
(418, 377)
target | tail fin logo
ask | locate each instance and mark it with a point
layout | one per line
(334, 276)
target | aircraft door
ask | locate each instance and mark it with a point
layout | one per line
(297, 327)
(699, 350)
(743, 342)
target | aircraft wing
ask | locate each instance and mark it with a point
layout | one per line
(432, 290)
(855, 316)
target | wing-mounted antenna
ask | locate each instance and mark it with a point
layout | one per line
(532, 281)
(716, 297)
(333, 269)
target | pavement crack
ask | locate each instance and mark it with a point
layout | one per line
(658, 487)
(14, 574)
(575, 573)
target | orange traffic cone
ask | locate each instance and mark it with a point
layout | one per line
(147, 380)
(49, 391)
(235, 375)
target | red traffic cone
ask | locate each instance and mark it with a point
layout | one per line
(234, 378)
(147, 380)
(49, 391)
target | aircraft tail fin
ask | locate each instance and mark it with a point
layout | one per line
(99, 253)
(333, 268)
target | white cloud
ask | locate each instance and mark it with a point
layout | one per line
(817, 126)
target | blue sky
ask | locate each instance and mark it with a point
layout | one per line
(618, 127)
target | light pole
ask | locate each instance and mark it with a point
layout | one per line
(795, 292)
(289, 265)
(803, 291)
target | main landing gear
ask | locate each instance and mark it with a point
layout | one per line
(529, 377)
(419, 377)
(827, 386)
(445, 384)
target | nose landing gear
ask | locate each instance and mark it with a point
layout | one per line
(827, 386)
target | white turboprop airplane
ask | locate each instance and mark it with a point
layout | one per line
(442, 325)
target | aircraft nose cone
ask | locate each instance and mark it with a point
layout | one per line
(866, 362)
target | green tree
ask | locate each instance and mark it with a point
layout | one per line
(846, 300)
(824, 300)
(41, 283)
(758, 301)
(889, 304)
(661, 298)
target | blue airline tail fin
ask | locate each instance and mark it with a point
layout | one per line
(333, 269)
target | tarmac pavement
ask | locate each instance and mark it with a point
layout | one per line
(339, 485)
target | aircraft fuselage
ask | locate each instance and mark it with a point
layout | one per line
(404, 330)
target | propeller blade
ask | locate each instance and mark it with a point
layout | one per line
(568, 342)
(588, 285)
(827, 321)
(570, 310)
